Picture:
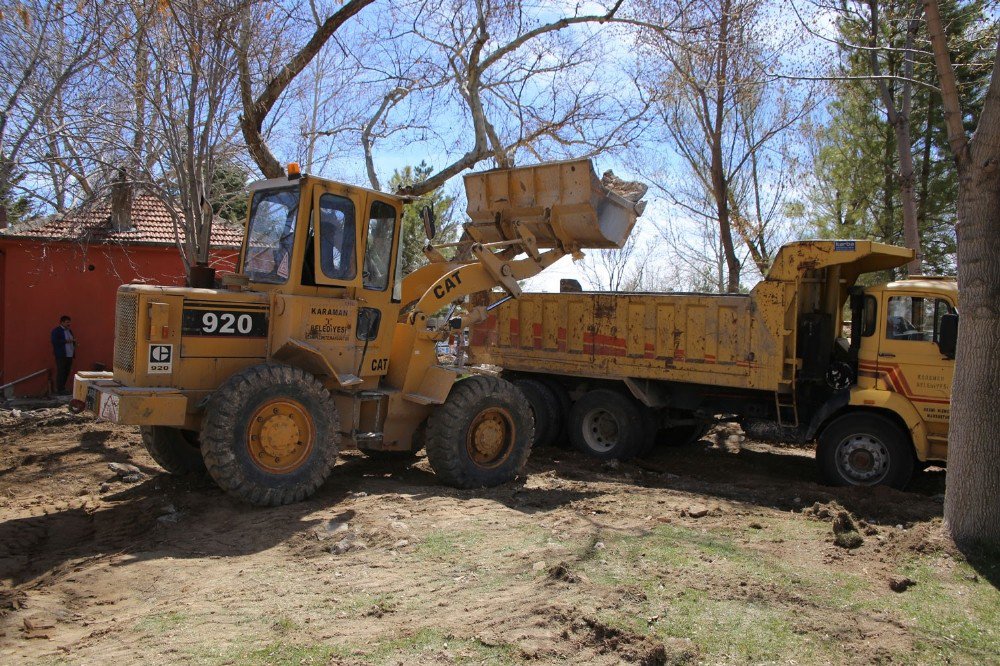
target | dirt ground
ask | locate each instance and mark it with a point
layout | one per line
(720, 552)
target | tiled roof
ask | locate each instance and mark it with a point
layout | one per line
(151, 225)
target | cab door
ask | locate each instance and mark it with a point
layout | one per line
(909, 359)
(380, 294)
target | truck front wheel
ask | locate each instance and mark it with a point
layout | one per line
(175, 450)
(481, 435)
(607, 424)
(270, 435)
(860, 449)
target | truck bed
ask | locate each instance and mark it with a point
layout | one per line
(756, 342)
(697, 338)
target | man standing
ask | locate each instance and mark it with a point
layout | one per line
(64, 348)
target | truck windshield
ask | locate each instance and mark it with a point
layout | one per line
(271, 234)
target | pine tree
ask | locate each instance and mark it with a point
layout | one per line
(414, 238)
(857, 165)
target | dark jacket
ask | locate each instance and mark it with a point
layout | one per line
(59, 342)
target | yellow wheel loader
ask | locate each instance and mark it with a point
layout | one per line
(318, 343)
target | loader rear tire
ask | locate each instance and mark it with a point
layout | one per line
(481, 436)
(175, 450)
(270, 435)
(608, 425)
(544, 407)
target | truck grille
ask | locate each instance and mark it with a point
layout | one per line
(125, 326)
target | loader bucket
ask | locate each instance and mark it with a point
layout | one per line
(561, 203)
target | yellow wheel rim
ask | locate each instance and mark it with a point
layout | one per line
(490, 438)
(280, 436)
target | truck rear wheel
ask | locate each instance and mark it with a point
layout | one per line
(607, 424)
(175, 450)
(565, 404)
(544, 408)
(864, 450)
(270, 435)
(481, 435)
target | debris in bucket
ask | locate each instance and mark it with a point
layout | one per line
(628, 189)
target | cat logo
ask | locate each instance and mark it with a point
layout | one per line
(160, 359)
(379, 364)
(450, 282)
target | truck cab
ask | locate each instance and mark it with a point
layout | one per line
(906, 358)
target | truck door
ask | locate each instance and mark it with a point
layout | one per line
(909, 360)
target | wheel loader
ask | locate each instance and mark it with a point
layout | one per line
(317, 343)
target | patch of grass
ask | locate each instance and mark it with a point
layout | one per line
(462, 651)
(752, 632)
(444, 544)
(284, 624)
(952, 614)
(161, 623)
(284, 654)
(413, 648)
(677, 568)
(955, 614)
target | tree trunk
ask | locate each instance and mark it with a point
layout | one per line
(972, 498)
(899, 120)
(972, 501)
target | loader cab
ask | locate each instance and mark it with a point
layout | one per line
(330, 256)
(315, 236)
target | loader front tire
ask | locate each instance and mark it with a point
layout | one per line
(481, 436)
(175, 450)
(270, 435)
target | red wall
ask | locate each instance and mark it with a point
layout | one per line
(39, 282)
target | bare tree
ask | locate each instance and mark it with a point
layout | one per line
(972, 498)
(47, 46)
(483, 78)
(184, 89)
(259, 101)
(722, 113)
(523, 83)
(899, 119)
(615, 270)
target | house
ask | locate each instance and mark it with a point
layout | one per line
(73, 264)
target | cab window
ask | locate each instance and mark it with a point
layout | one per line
(270, 235)
(915, 318)
(869, 318)
(378, 246)
(336, 237)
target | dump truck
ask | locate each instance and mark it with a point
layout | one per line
(318, 343)
(616, 369)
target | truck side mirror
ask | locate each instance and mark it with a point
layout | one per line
(948, 335)
(427, 217)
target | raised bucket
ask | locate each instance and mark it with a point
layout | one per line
(561, 203)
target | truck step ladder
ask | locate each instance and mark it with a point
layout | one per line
(785, 406)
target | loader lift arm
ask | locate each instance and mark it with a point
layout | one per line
(522, 221)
